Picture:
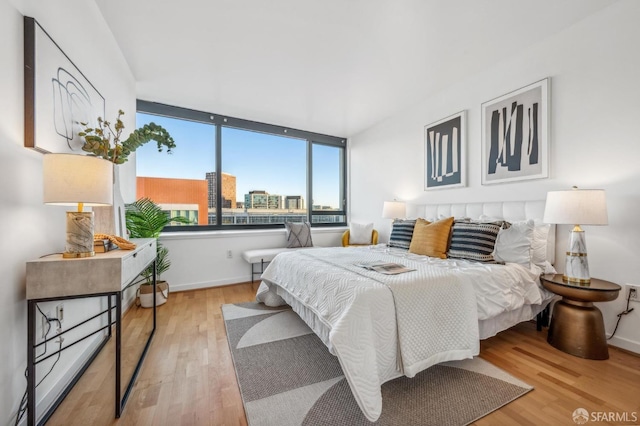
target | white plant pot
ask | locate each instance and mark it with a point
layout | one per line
(146, 298)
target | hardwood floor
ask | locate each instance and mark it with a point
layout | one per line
(188, 377)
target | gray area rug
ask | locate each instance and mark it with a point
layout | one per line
(288, 377)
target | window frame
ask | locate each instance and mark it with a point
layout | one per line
(220, 121)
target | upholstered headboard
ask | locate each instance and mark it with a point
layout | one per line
(507, 210)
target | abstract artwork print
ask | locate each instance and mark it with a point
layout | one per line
(445, 152)
(58, 97)
(515, 135)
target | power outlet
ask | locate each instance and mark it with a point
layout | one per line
(229, 254)
(60, 312)
(634, 292)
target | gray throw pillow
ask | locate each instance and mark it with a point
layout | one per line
(298, 234)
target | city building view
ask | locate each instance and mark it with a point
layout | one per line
(196, 200)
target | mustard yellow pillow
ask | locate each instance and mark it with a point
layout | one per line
(431, 238)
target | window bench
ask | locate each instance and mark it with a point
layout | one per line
(262, 257)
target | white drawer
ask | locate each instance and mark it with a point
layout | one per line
(135, 262)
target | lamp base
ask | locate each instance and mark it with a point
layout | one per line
(79, 235)
(576, 269)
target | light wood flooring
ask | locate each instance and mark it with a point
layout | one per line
(188, 377)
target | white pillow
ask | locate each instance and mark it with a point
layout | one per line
(513, 245)
(360, 233)
(539, 243)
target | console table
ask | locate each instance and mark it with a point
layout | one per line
(53, 278)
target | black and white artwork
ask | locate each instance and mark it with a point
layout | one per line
(515, 135)
(445, 143)
(58, 97)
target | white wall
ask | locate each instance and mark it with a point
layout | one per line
(199, 260)
(32, 229)
(595, 109)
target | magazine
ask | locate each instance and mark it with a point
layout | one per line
(385, 268)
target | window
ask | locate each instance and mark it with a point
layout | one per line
(178, 182)
(269, 171)
(328, 187)
(269, 175)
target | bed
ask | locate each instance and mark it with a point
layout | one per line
(383, 326)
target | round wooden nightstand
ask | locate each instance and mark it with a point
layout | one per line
(577, 327)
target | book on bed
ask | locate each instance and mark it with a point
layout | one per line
(385, 268)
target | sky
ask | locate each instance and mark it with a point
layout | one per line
(275, 164)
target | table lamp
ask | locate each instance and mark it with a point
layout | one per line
(394, 210)
(576, 207)
(81, 180)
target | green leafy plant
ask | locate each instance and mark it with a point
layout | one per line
(104, 140)
(145, 219)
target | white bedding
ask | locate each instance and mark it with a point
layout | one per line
(382, 326)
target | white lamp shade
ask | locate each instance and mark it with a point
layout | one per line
(70, 179)
(394, 210)
(576, 207)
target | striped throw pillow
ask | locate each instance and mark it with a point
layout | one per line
(401, 233)
(473, 241)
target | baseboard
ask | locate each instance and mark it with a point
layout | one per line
(208, 284)
(626, 344)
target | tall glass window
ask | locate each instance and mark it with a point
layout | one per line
(328, 184)
(269, 177)
(228, 172)
(178, 182)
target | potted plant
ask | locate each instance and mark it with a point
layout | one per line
(104, 141)
(145, 219)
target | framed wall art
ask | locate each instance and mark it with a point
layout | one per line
(515, 135)
(444, 147)
(58, 97)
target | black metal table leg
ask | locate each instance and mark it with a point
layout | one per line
(31, 364)
(118, 349)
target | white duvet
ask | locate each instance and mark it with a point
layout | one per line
(382, 326)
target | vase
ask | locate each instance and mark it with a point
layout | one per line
(111, 220)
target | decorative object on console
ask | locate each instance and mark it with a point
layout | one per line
(576, 207)
(102, 245)
(515, 135)
(80, 180)
(444, 147)
(118, 242)
(104, 141)
(57, 96)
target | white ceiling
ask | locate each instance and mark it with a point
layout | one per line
(329, 66)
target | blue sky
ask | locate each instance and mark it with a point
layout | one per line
(259, 161)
